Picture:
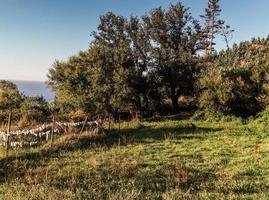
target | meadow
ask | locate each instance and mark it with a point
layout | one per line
(165, 158)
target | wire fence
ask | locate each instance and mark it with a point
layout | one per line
(46, 132)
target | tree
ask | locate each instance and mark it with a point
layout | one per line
(141, 82)
(214, 26)
(10, 96)
(174, 41)
(112, 63)
(71, 83)
(132, 64)
(125, 63)
(110, 89)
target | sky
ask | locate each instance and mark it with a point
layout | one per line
(35, 33)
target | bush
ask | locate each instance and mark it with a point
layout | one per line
(23, 108)
(214, 116)
(34, 109)
(238, 81)
(260, 122)
(10, 97)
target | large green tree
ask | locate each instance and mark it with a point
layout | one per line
(175, 39)
(111, 75)
(128, 44)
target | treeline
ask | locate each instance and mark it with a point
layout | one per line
(161, 63)
(139, 64)
(132, 64)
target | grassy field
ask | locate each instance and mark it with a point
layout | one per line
(165, 159)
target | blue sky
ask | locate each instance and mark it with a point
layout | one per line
(35, 33)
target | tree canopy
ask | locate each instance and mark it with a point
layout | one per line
(132, 64)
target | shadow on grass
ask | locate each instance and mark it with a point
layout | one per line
(180, 116)
(150, 134)
(13, 167)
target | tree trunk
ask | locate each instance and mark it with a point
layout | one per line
(146, 100)
(175, 103)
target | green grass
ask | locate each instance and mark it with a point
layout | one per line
(168, 159)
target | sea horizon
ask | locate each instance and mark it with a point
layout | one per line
(34, 88)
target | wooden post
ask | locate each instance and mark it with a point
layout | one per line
(47, 135)
(83, 126)
(256, 151)
(52, 130)
(109, 122)
(119, 123)
(8, 132)
(128, 120)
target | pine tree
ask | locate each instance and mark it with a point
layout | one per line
(213, 25)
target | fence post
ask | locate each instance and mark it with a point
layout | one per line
(128, 120)
(52, 130)
(109, 122)
(119, 123)
(83, 126)
(47, 135)
(8, 132)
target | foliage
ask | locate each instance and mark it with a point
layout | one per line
(70, 80)
(132, 64)
(237, 82)
(10, 97)
(34, 109)
(260, 122)
(215, 116)
(24, 108)
(175, 38)
(10, 100)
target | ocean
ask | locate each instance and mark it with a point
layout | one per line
(35, 88)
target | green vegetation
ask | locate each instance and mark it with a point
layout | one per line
(149, 66)
(168, 159)
(10, 98)
(138, 63)
(237, 82)
(260, 122)
(22, 107)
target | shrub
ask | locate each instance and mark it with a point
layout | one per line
(34, 108)
(214, 116)
(260, 122)
(237, 82)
